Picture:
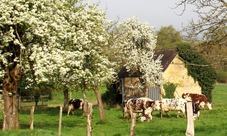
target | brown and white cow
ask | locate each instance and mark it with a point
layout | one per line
(75, 104)
(198, 98)
(141, 105)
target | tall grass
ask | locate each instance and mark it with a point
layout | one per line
(212, 122)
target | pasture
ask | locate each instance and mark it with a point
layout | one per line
(212, 122)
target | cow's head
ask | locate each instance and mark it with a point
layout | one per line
(157, 105)
(187, 97)
(209, 105)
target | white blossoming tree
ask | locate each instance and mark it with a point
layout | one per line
(27, 28)
(50, 41)
(133, 46)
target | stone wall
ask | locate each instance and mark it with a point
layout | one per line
(178, 73)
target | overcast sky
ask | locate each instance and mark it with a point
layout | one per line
(156, 12)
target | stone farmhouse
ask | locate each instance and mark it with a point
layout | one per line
(174, 71)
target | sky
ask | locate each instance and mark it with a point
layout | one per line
(157, 13)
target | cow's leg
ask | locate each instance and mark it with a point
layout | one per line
(131, 112)
(69, 109)
(198, 114)
(160, 113)
(183, 112)
(126, 115)
(148, 112)
(149, 117)
(178, 114)
(68, 113)
(167, 112)
(123, 113)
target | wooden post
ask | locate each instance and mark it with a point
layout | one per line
(32, 117)
(60, 120)
(88, 112)
(190, 120)
(89, 126)
(133, 124)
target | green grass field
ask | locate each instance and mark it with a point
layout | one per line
(212, 122)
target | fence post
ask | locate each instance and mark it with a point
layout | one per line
(133, 124)
(60, 120)
(88, 113)
(190, 119)
(32, 117)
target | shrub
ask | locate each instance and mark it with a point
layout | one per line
(169, 90)
(222, 77)
(112, 96)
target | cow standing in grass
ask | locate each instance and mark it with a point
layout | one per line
(140, 105)
(201, 99)
(75, 104)
(177, 104)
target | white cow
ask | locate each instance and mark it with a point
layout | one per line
(177, 104)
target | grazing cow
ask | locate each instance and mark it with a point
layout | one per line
(198, 98)
(140, 105)
(75, 104)
(169, 104)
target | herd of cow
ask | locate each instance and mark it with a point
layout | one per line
(145, 106)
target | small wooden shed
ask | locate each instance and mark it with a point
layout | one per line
(174, 71)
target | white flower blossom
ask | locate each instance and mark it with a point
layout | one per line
(134, 44)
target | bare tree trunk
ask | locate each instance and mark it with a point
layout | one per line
(85, 108)
(66, 99)
(84, 93)
(100, 104)
(10, 83)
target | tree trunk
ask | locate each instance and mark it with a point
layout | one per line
(84, 99)
(66, 99)
(10, 83)
(100, 104)
(84, 93)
